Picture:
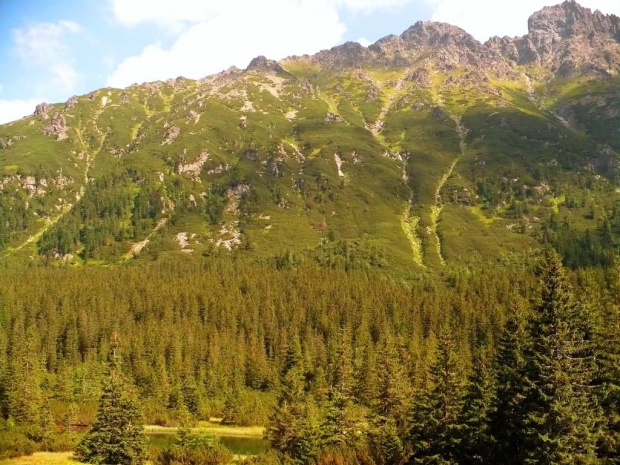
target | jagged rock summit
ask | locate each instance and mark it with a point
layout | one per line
(566, 39)
(571, 19)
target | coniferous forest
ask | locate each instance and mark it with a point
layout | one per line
(497, 366)
(397, 253)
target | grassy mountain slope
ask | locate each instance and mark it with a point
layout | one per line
(423, 151)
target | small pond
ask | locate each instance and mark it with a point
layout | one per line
(242, 445)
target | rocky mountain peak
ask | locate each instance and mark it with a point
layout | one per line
(566, 40)
(437, 34)
(349, 54)
(261, 63)
(571, 19)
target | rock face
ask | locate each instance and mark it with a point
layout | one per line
(349, 54)
(261, 63)
(171, 134)
(566, 39)
(57, 126)
(71, 102)
(571, 19)
(193, 169)
(333, 118)
(252, 155)
(42, 109)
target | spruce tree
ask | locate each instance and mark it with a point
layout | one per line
(338, 428)
(562, 415)
(475, 414)
(116, 437)
(388, 419)
(25, 401)
(435, 432)
(393, 387)
(292, 429)
(608, 379)
(507, 419)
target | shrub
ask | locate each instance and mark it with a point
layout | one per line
(14, 444)
(200, 449)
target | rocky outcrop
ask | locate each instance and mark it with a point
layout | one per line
(57, 126)
(171, 134)
(252, 155)
(552, 24)
(273, 167)
(261, 63)
(448, 47)
(193, 169)
(124, 98)
(238, 191)
(347, 55)
(566, 39)
(71, 102)
(421, 76)
(42, 109)
(440, 114)
(333, 118)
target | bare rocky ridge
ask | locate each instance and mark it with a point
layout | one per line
(566, 39)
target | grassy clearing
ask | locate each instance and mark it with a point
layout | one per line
(477, 210)
(213, 427)
(43, 458)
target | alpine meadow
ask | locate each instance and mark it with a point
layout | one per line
(405, 253)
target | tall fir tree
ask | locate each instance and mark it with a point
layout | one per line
(116, 437)
(562, 414)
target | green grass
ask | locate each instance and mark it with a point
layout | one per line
(512, 150)
(43, 458)
(486, 220)
(213, 427)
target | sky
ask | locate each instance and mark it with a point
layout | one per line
(51, 50)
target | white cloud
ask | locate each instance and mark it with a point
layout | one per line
(43, 45)
(64, 75)
(368, 6)
(133, 12)
(487, 18)
(212, 36)
(225, 37)
(364, 42)
(11, 110)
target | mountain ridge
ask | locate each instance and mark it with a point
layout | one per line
(425, 151)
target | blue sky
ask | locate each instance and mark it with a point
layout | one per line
(51, 50)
